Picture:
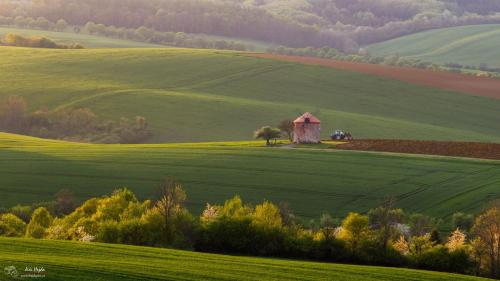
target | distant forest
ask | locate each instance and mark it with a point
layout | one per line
(342, 24)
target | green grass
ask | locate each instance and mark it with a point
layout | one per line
(467, 45)
(88, 41)
(312, 181)
(204, 95)
(64, 260)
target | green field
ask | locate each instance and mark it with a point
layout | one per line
(88, 41)
(64, 260)
(466, 45)
(312, 181)
(204, 95)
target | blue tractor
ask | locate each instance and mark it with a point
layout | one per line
(341, 135)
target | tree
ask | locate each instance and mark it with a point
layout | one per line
(401, 245)
(287, 215)
(355, 230)
(267, 133)
(421, 224)
(456, 240)
(487, 229)
(61, 25)
(328, 226)
(65, 202)
(420, 244)
(42, 23)
(40, 221)
(11, 226)
(286, 126)
(13, 114)
(235, 209)
(463, 221)
(267, 215)
(384, 219)
(172, 197)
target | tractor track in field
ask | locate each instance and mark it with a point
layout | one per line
(468, 84)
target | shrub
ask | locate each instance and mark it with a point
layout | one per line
(11, 226)
(40, 221)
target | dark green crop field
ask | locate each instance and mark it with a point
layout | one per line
(312, 181)
(204, 95)
(64, 260)
(467, 45)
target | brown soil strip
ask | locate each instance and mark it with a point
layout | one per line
(460, 149)
(481, 86)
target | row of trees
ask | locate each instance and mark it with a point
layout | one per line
(12, 39)
(393, 60)
(141, 34)
(383, 236)
(74, 124)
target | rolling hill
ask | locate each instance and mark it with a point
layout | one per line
(204, 95)
(466, 45)
(312, 181)
(88, 41)
(64, 260)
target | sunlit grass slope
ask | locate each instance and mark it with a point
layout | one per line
(88, 41)
(205, 95)
(467, 45)
(312, 181)
(64, 260)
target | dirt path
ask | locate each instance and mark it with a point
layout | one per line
(480, 86)
(460, 149)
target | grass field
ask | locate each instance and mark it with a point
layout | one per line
(88, 41)
(204, 95)
(64, 260)
(467, 45)
(312, 181)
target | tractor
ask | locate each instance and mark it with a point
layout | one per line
(341, 135)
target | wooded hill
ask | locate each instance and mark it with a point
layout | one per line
(337, 23)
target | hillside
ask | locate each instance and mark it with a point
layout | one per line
(88, 41)
(312, 181)
(467, 45)
(94, 261)
(344, 25)
(202, 95)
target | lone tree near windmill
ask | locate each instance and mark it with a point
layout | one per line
(267, 133)
(286, 126)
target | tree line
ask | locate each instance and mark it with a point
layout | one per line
(73, 124)
(140, 34)
(482, 70)
(383, 236)
(16, 40)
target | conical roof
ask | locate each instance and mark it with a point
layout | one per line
(307, 118)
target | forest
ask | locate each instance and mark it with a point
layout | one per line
(341, 24)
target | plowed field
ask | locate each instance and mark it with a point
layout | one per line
(461, 149)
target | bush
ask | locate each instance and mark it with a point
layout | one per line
(108, 232)
(75, 124)
(40, 221)
(132, 232)
(11, 226)
(16, 40)
(439, 258)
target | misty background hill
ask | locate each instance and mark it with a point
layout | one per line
(342, 24)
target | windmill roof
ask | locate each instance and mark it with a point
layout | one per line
(305, 116)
